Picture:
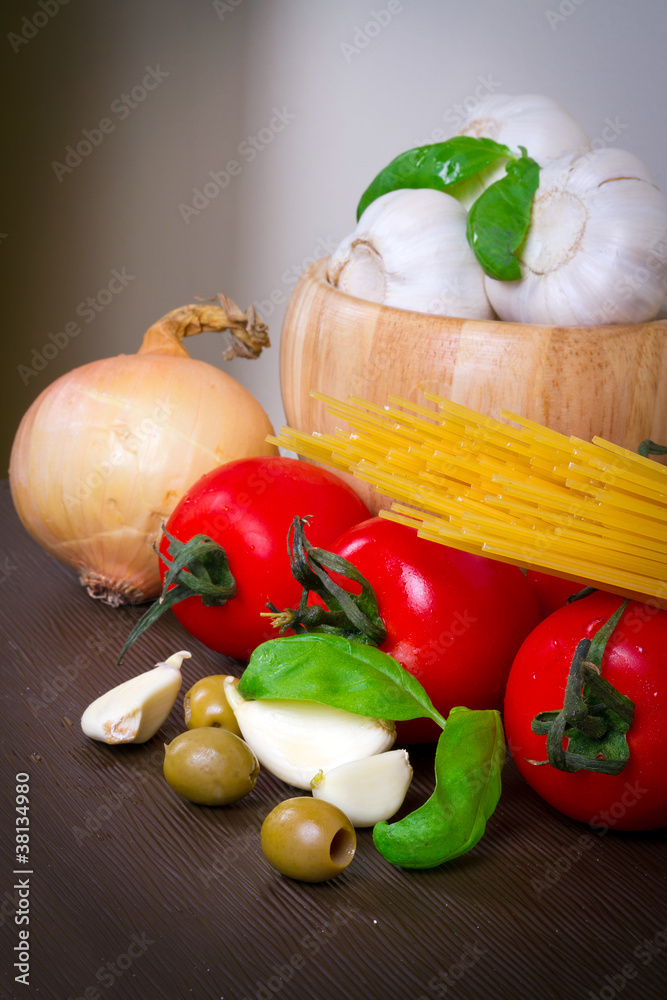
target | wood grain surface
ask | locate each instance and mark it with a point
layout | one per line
(135, 893)
(609, 381)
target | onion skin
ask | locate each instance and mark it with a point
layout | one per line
(103, 455)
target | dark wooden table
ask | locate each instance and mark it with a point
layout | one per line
(132, 893)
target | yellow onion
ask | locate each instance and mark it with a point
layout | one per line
(105, 452)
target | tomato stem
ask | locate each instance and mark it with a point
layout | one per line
(648, 447)
(595, 716)
(198, 568)
(354, 616)
(580, 594)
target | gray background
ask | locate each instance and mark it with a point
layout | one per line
(357, 97)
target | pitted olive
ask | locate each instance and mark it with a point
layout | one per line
(308, 839)
(205, 704)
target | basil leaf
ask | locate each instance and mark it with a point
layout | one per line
(336, 671)
(499, 219)
(438, 166)
(468, 762)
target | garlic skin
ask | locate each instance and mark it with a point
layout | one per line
(410, 251)
(368, 791)
(590, 257)
(133, 711)
(541, 125)
(296, 739)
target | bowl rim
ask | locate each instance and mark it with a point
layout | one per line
(317, 273)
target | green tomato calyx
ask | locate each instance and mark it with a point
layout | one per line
(198, 568)
(352, 616)
(595, 716)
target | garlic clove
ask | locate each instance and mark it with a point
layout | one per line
(295, 739)
(410, 251)
(133, 711)
(367, 791)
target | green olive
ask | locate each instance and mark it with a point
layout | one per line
(308, 839)
(205, 704)
(210, 766)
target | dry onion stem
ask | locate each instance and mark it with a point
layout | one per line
(248, 334)
(104, 453)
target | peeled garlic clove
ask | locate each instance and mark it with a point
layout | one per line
(133, 711)
(295, 739)
(594, 250)
(410, 251)
(367, 791)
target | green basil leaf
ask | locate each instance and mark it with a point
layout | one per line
(339, 672)
(439, 166)
(468, 762)
(499, 219)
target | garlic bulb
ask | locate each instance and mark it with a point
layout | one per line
(133, 711)
(409, 251)
(594, 251)
(296, 739)
(538, 123)
(368, 791)
(105, 452)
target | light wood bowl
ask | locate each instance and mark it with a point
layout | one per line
(609, 381)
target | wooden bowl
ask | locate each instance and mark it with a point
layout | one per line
(609, 381)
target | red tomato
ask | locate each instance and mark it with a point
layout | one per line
(453, 619)
(635, 662)
(247, 507)
(552, 591)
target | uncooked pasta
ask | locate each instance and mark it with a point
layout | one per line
(510, 489)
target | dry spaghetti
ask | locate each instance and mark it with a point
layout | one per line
(591, 512)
